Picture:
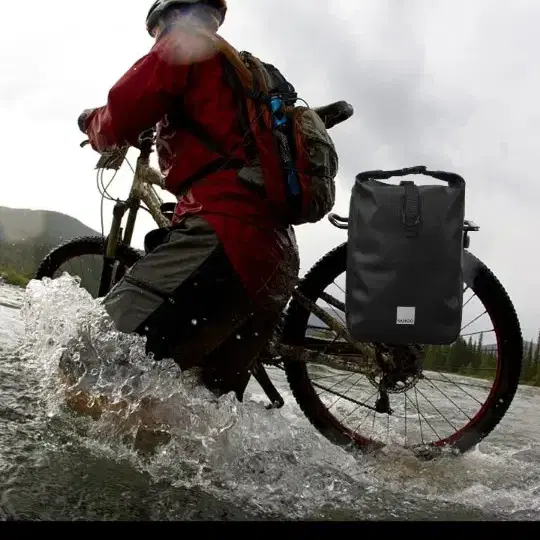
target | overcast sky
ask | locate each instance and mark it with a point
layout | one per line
(449, 84)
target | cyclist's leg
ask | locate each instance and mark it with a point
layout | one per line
(227, 368)
(184, 295)
(213, 320)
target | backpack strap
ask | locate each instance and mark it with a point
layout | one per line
(220, 164)
(224, 162)
(183, 120)
(250, 82)
(243, 119)
(250, 76)
(260, 74)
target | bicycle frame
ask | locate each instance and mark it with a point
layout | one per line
(141, 190)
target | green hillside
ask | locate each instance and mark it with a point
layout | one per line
(21, 224)
(26, 236)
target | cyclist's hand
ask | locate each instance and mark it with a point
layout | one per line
(81, 121)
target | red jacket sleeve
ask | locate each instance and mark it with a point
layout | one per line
(138, 101)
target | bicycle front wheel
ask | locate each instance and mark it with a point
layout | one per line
(457, 398)
(84, 257)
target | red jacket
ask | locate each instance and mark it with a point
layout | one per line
(181, 72)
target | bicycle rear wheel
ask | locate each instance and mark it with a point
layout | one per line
(340, 402)
(83, 257)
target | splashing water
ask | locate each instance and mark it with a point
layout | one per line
(238, 451)
(244, 443)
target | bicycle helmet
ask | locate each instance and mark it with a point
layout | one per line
(160, 6)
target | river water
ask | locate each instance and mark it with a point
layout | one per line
(226, 461)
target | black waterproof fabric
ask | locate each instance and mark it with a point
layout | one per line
(404, 281)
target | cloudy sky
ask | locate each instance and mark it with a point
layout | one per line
(450, 84)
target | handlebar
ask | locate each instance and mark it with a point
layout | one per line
(332, 115)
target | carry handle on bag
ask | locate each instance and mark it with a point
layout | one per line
(451, 178)
(404, 280)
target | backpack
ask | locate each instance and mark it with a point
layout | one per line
(291, 157)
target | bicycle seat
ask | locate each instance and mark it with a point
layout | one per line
(335, 113)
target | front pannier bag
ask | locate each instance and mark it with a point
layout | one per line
(404, 281)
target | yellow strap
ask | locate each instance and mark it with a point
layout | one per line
(245, 73)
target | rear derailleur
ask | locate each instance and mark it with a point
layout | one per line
(400, 369)
(382, 405)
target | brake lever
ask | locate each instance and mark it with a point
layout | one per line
(84, 143)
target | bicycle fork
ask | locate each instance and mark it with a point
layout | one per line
(111, 245)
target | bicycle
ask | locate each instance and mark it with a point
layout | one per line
(302, 349)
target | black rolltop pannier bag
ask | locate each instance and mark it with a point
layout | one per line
(404, 281)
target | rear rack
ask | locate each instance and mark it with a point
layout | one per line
(343, 223)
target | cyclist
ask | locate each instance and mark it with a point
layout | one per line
(210, 289)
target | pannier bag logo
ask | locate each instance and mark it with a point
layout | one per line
(405, 315)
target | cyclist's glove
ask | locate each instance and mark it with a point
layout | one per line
(81, 121)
